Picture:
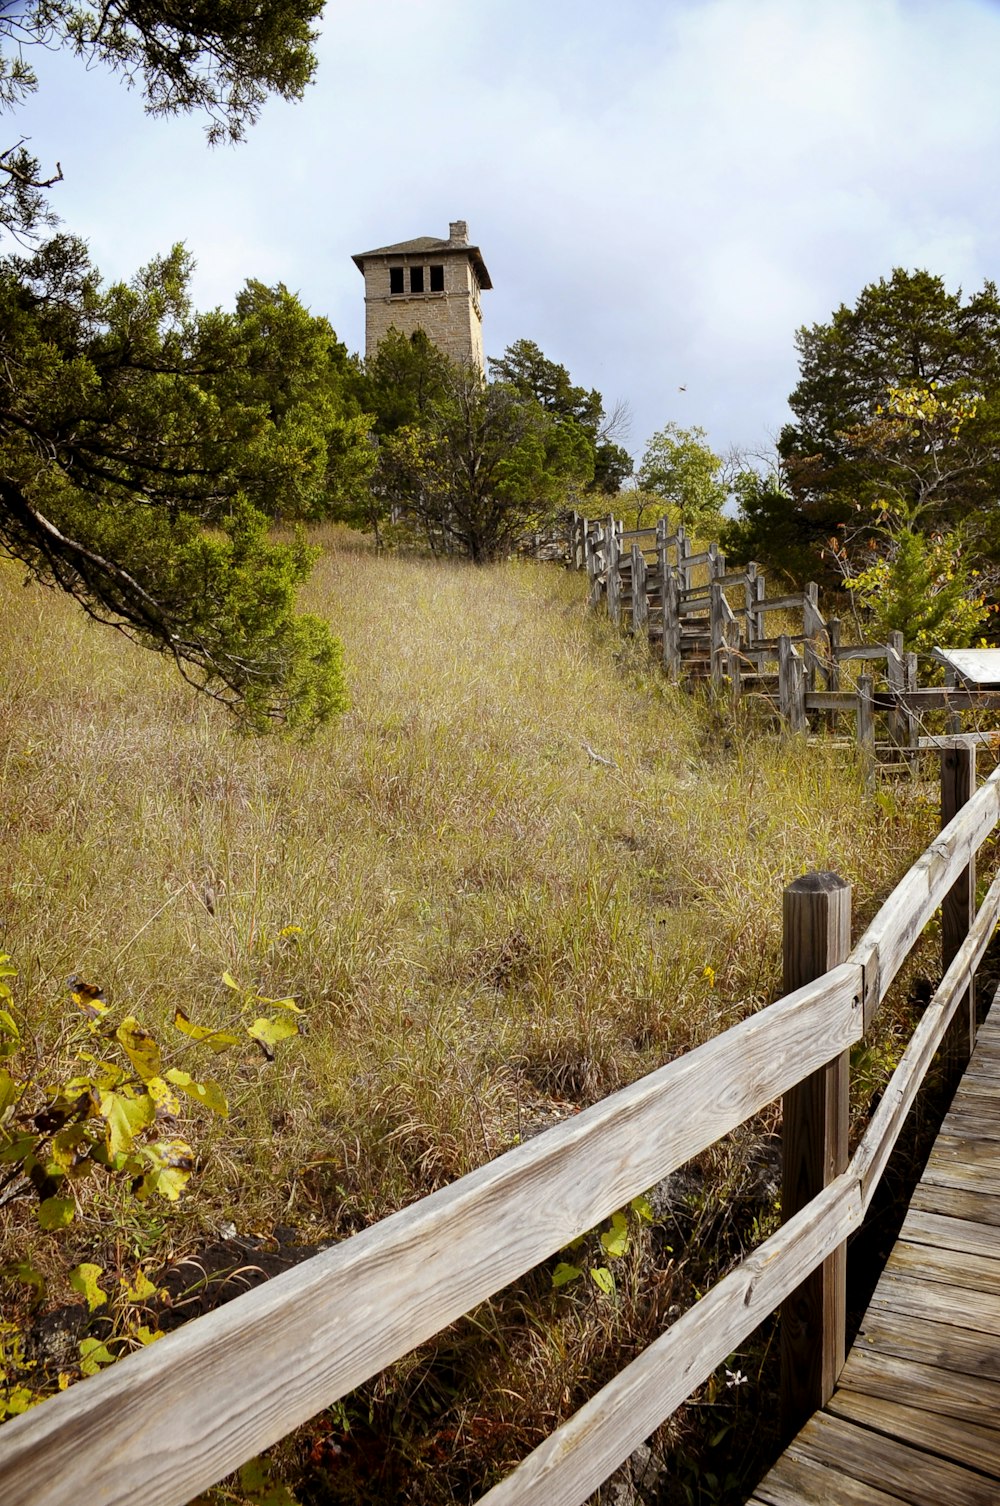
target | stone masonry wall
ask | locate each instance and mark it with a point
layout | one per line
(452, 319)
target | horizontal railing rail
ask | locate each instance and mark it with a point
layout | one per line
(198, 1403)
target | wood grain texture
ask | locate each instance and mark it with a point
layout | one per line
(945, 1437)
(958, 908)
(886, 1464)
(880, 1137)
(577, 1457)
(970, 1398)
(805, 1482)
(816, 935)
(240, 1378)
(888, 940)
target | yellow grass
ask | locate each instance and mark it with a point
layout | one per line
(525, 870)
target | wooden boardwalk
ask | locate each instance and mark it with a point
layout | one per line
(916, 1414)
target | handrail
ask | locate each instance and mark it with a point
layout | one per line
(201, 1401)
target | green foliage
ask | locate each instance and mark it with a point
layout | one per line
(59, 1130)
(614, 1241)
(483, 468)
(768, 527)
(907, 333)
(223, 59)
(137, 461)
(919, 585)
(86, 1121)
(140, 447)
(289, 364)
(524, 367)
(680, 468)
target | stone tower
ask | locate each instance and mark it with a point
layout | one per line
(430, 285)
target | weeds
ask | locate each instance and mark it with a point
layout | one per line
(522, 871)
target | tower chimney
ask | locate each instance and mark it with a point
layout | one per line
(458, 230)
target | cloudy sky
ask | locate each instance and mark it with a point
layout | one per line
(663, 190)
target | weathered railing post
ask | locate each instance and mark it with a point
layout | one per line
(640, 599)
(671, 624)
(866, 716)
(791, 686)
(614, 580)
(958, 909)
(816, 913)
(895, 673)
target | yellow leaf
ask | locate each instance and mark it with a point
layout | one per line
(84, 1279)
(231, 982)
(141, 1289)
(140, 1048)
(216, 1040)
(270, 1032)
(126, 1115)
(55, 1212)
(163, 1096)
(208, 1092)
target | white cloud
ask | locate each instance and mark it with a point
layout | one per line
(662, 192)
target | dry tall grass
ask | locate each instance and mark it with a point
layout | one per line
(525, 869)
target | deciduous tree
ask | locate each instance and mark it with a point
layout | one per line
(485, 467)
(681, 469)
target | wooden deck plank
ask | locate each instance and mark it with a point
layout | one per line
(958, 1440)
(915, 1417)
(803, 1481)
(883, 1463)
(927, 1388)
(979, 1206)
(946, 1233)
(952, 1267)
(936, 1302)
(941, 1344)
(955, 1148)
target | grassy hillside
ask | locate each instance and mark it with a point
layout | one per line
(520, 872)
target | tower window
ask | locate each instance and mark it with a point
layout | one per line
(395, 280)
(416, 279)
(437, 279)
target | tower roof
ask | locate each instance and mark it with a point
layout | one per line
(428, 245)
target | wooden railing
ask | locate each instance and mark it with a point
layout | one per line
(164, 1423)
(709, 622)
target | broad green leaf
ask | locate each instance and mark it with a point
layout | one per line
(206, 1092)
(564, 1273)
(103, 1074)
(616, 1239)
(55, 1212)
(16, 1149)
(231, 982)
(270, 1032)
(84, 1279)
(17, 1401)
(216, 1040)
(642, 1208)
(140, 1048)
(602, 1278)
(94, 1354)
(71, 1147)
(126, 1115)
(6, 971)
(148, 1335)
(25, 1272)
